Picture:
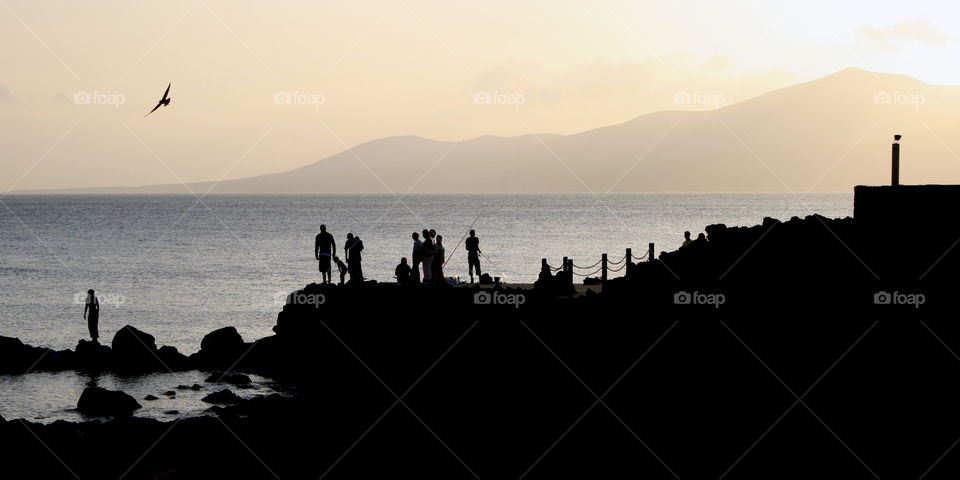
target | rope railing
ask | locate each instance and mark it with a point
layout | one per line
(641, 257)
(621, 267)
(588, 268)
(618, 262)
(604, 267)
(588, 274)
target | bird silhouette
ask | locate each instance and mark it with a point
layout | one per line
(163, 101)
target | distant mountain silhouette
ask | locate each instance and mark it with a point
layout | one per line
(826, 135)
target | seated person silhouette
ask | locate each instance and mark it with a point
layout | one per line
(403, 272)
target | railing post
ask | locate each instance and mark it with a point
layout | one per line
(650, 253)
(565, 266)
(629, 256)
(570, 263)
(543, 265)
(603, 267)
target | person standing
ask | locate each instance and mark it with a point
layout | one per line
(417, 249)
(354, 246)
(438, 262)
(426, 256)
(473, 253)
(91, 312)
(325, 248)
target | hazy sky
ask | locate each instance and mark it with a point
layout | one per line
(260, 87)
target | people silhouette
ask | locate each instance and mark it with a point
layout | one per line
(686, 239)
(403, 272)
(342, 267)
(324, 247)
(438, 260)
(353, 247)
(427, 251)
(473, 253)
(417, 249)
(91, 312)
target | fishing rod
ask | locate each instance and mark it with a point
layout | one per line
(461, 241)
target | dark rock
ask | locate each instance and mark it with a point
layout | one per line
(196, 386)
(170, 393)
(220, 349)
(135, 351)
(172, 412)
(223, 396)
(150, 398)
(231, 378)
(172, 358)
(183, 387)
(100, 401)
(91, 356)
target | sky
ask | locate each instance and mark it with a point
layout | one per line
(262, 87)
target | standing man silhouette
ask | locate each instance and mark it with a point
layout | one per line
(324, 248)
(91, 312)
(353, 246)
(417, 249)
(473, 253)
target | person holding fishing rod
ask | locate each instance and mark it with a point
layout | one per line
(473, 254)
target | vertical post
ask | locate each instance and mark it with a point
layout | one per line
(895, 168)
(570, 269)
(543, 265)
(565, 266)
(629, 256)
(603, 268)
(650, 253)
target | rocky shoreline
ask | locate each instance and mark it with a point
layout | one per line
(649, 376)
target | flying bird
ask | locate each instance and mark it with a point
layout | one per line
(163, 101)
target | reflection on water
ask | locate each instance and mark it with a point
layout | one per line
(46, 397)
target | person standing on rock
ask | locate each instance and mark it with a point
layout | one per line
(417, 250)
(426, 256)
(91, 312)
(324, 248)
(353, 247)
(438, 260)
(473, 254)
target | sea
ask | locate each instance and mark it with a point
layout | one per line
(178, 267)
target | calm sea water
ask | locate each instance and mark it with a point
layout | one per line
(178, 268)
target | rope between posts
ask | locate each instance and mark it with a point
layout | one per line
(617, 269)
(641, 257)
(618, 262)
(587, 268)
(588, 274)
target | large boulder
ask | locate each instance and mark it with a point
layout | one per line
(172, 358)
(91, 356)
(135, 351)
(102, 402)
(220, 349)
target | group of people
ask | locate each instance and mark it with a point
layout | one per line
(325, 250)
(687, 241)
(428, 257)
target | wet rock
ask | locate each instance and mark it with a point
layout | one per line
(151, 398)
(171, 412)
(100, 401)
(231, 378)
(223, 396)
(195, 387)
(170, 393)
(91, 356)
(172, 358)
(135, 351)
